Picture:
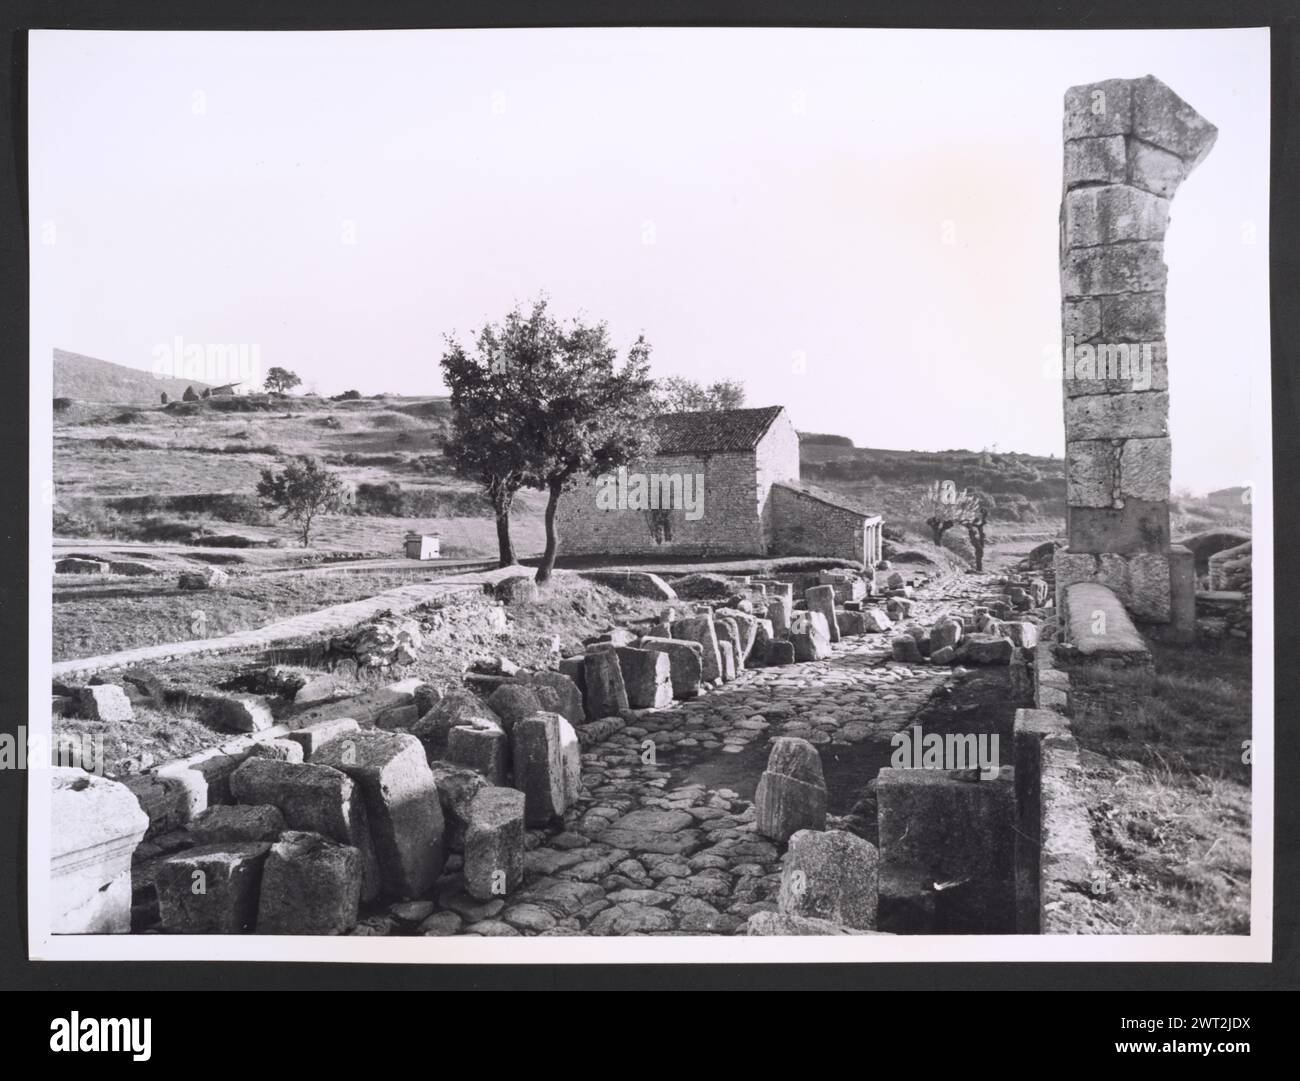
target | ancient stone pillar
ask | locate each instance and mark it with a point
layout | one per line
(1129, 143)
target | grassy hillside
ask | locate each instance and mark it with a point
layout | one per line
(87, 379)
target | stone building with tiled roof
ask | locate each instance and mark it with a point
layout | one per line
(722, 483)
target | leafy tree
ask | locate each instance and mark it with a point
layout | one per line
(303, 490)
(676, 394)
(280, 380)
(540, 404)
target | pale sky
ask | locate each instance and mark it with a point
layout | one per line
(753, 200)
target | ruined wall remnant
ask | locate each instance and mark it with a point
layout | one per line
(1129, 143)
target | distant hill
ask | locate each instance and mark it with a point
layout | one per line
(88, 379)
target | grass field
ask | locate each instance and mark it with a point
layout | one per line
(1168, 789)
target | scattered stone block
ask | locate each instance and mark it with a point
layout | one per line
(811, 636)
(314, 798)
(700, 629)
(402, 805)
(539, 765)
(568, 693)
(312, 738)
(211, 889)
(647, 677)
(985, 649)
(310, 886)
(1022, 635)
(606, 692)
(904, 649)
(830, 875)
(517, 589)
(457, 709)
(786, 802)
(786, 924)
(821, 599)
(685, 667)
(282, 750)
(943, 655)
(206, 578)
(483, 749)
(74, 565)
(512, 702)
(237, 712)
(104, 702)
(946, 632)
(780, 652)
(236, 823)
(494, 843)
(95, 826)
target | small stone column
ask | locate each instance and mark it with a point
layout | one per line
(1129, 143)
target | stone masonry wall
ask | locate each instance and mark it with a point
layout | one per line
(1129, 143)
(777, 459)
(807, 526)
(730, 524)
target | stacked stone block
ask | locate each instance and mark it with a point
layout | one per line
(1129, 143)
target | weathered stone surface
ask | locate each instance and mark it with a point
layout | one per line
(402, 805)
(211, 889)
(95, 826)
(779, 611)
(904, 649)
(727, 651)
(1155, 170)
(568, 693)
(223, 824)
(1162, 118)
(633, 583)
(1098, 624)
(946, 632)
(1098, 160)
(483, 749)
(810, 636)
(1139, 526)
(313, 798)
(457, 708)
(1117, 416)
(606, 692)
(1113, 213)
(1101, 108)
(728, 631)
(75, 565)
(494, 843)
(1022, 635)
(282, 750)
(238, 712)
(943, 655)
(1140, 580)
(830, 876)
(700, 629)
(876, 621)
(517, 589)
(315, 736)
(784, 805)
(779, 653)
(512, 702)
(821, 599)
(1144, 469)
(797, 758)
(310, 886)
(1136, 267)
(539, 764)
(1133, 317)
(985, 649)
(647, 677)
(104, 702)
(685, 667)
(204, 578)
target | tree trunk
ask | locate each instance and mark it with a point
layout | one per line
(505, 546)
(552, 541)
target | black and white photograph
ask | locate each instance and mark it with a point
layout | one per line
(649, 494)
